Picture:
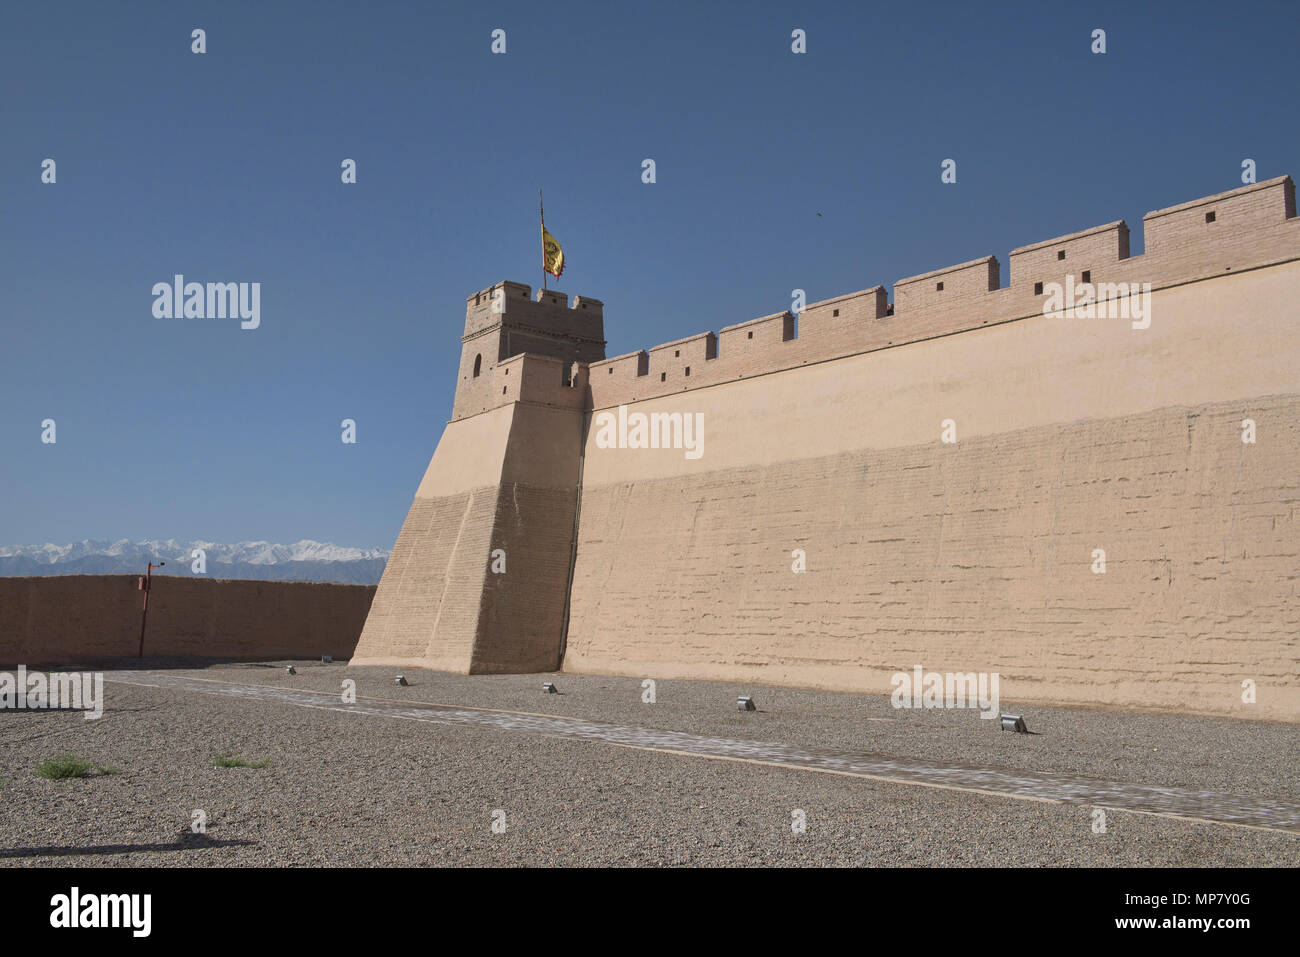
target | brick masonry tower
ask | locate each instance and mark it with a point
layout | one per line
(478, 580)
(503, 321)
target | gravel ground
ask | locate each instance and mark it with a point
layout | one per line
(353, 790)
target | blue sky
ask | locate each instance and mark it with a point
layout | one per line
(226, 167)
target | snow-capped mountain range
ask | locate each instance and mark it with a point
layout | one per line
(301, 561)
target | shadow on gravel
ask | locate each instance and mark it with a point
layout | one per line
(39, 711)
(164, 664)
(184, 842)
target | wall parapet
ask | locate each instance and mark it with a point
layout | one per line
(1255, 225)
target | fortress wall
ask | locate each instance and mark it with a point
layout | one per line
(540, 380)
(521, 627)
(1208, 342)
(1254, 226)
(435, 563)
(440, 558)
(522, 624)
(49, 620)
(505, 479)
(1073, 434)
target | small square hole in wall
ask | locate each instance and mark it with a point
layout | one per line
(1087, 275)
(750, 336)
(835, 313)
(1209, 217)
(503, 390)
(611, 370)
(688, 370)
(938, 287)
(663, 377)
(677, 352)
(507, 372)
(1060, 254)
(1038, 289)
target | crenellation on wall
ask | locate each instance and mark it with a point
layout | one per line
(753, 344)
(842, 315)
(680, 360)
(1095, 251)
(1222, 218)
(945, 288)
(1258, 227)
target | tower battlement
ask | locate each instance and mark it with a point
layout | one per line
(506, 320)
(486, 307)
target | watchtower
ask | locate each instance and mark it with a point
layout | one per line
(505, 320)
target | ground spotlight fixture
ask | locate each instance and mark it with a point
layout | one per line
(745, 703)
(401, 680)
(1014, 722)
(326, 660)
(549, 688)
(291, 670)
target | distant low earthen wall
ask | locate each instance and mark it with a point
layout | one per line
(71, 618)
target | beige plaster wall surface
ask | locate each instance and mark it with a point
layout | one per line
(1073, 434)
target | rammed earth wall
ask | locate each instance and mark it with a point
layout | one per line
(1072, 435)
(73, 618)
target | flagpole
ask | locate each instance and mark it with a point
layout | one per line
(541, 212)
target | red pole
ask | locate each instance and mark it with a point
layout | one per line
(144, 615)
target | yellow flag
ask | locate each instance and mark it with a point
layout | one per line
(552, 254)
